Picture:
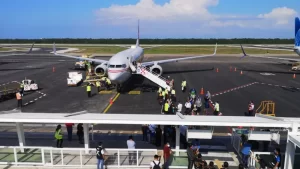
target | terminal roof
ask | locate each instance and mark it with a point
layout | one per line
(99, 118)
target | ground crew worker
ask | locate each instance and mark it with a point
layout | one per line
(167, 93)
(22, 88)
(19, 99)
(159, 90)
(166, 107)
(163, 93)
(108, 83)
(183, 85)
(98, 84)
(89, 90)
(216, 108)
(58, 136)
(173, 95)
(250, 108)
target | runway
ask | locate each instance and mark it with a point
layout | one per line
(232, 89)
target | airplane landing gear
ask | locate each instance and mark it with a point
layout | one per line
(119, 88)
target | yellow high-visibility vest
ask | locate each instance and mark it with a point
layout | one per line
(98, 84)
(183, 84)
(159, 90)
(217, 107)
(163, 93)
(166, 91)
(88, 88)
(173, 92)
(166, 106)
(58, 135)
(108, 81)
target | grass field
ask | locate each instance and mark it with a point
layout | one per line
(5, 49)
(180, 50)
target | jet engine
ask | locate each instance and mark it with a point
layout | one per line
(156, 69)
(101, 70)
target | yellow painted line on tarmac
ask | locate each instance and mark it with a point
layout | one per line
(114, 99)
(134, 92)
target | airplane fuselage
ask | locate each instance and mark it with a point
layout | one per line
(118, 69)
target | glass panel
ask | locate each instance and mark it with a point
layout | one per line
(29, 155)
(7, 155)
(118, 66)
(112, 66)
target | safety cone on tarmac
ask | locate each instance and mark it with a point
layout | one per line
(202, 91)
(294, 76)
(111, 101)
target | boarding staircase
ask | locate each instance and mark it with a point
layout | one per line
(154, 77)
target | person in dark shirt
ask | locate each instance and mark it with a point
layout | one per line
(191, 156)
(277, 159)
(80, 133)
(158, 136)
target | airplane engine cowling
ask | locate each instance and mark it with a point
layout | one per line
(156, 69)
(101, 70)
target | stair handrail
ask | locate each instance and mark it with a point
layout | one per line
(161, 77)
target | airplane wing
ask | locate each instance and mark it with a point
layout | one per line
(178, 59)
(14, 54)
(266, 48)
(76, 57)
(267, 57)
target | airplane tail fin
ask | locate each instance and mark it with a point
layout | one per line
(297, 31)
(138, 38)
(244, 53)
(30, 50)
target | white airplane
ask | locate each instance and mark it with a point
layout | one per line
(118, 66)
(296, 48)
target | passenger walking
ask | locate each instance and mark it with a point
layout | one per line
(216, 108)
(191, 156)
(198, 104)
(277, 159)
(179, 107)
(155, 164)
(98, 85)
(132, 154)
(188, 107)
(167, 153)
(183, 85)
(89, 90)
(206, 107)
(246, 153)
(225, 165)
(58, 136)
(19, 99)
(69, 127)
(158, 136)
(80, 133)
(173, 96)
(208, 95)
(100, 156)
(250, 108)
(145, 131)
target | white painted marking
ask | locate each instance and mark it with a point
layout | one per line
(40, 96)
(283, 86)
(36, 99)
(31, 101)
(25, 104)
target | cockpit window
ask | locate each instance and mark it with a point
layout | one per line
(112, 66)
(118, 66)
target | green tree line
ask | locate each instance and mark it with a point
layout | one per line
(151, 41)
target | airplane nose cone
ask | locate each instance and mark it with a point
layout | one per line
(114, 77)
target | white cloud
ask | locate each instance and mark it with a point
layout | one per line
(281, 16)
(191, 15)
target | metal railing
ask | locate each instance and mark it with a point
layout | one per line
(76, 157)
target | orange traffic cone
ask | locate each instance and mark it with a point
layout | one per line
(217, 70)
(235, 69)
(202, 91)
(294, 76)
(111, 101)
(241, 72)
(53, 69)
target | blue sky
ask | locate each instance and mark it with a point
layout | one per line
(158, 18)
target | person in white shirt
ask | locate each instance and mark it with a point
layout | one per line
(155, 163)
(179, 107)
(132, 154)
(188, 107)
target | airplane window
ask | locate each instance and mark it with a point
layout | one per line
(124, 66)
(118, 66)
(112, 66)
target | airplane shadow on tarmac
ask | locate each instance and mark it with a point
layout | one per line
(291, 89)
